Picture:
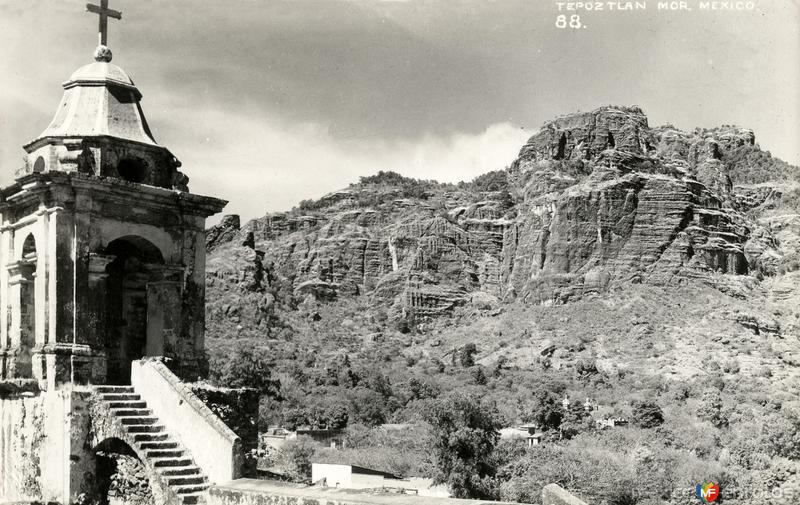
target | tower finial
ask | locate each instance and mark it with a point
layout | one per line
(102, 54)
(103, 13)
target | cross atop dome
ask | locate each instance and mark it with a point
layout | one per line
(103, 12)
(99, 128)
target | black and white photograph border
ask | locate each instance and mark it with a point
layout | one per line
(399, 252)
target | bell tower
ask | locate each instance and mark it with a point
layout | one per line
(102, 246)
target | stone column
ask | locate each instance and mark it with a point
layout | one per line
(6, 241)
(65, 258)
(62, 345)
(96, 332)
(20, 273)
(40, 282)
(51, 254)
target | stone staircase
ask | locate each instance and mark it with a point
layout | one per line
(172, 463)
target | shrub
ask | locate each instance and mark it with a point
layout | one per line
(647, 414)
(465, 356)
(710, 408)
(478, 375)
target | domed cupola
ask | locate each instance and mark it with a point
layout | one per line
(99, 128)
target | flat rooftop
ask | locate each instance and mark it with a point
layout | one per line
(258, 492)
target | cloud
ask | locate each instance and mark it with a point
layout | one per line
(266, 165)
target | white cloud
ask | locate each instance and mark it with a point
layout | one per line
(263, 165)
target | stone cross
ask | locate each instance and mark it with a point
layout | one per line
(104, 13)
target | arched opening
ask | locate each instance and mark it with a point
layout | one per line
(135, 258)
(120, 476)
(132, 170)
(27, 308)
(610, 141)
(38, 165)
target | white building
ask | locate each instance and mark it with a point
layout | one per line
(356, 477)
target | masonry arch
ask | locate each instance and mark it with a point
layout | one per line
(26, 277)
(140, 234)
(120, 475)
(135, 262)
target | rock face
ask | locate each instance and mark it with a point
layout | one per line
(585, 136)
(224, 232)
(594, 201)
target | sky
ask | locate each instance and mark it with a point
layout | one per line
(269, 102)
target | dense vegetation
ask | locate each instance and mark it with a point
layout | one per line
(740, 429)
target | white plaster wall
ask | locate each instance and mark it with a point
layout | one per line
(35, 447)
(366, 481)
(334, 475)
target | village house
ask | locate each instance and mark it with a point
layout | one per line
(357, 477)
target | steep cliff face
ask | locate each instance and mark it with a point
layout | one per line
(607, 200)
(595, 201)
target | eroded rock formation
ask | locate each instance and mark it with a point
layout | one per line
(594, 200)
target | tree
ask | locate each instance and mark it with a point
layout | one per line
(249, 366)
(462, 438)
(576, 420)
(496, 180)
(647, 414)
(545, 410)
(365, 406)
(419, 389)
(294, 458)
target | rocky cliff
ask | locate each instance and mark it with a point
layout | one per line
(594, 201)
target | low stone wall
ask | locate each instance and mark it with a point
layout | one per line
(553, 494)
(213, 445)
(238, 409)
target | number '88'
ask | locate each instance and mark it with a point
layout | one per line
(574, 21)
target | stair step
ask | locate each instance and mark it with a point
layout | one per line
(184, 480)
(128, 412)
(193, 499)
(158, 444)
(150, 437)
(114, 389)
(138, 420)
(134, 404)
(145, 428)
(189, 489)
(181, 471)
(115, 397)
(165, 453)
(172, 462)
